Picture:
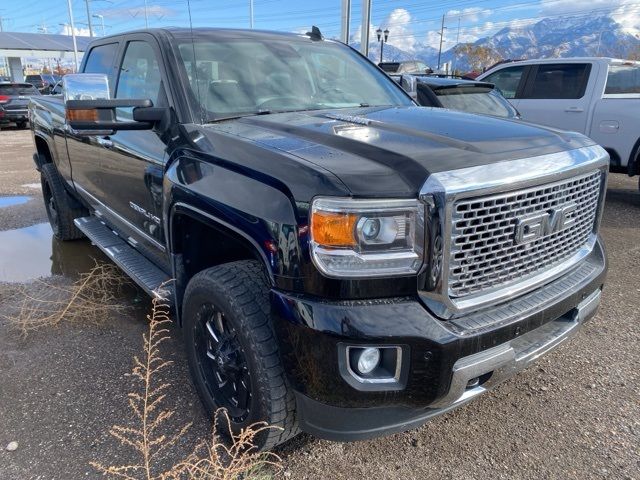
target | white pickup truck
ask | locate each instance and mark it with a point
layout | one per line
(599, 97)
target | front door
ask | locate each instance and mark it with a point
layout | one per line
(133, 161)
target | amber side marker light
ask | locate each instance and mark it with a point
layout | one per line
(90, 115)
(331, 229)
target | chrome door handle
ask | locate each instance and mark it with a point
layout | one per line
(574, 110)
(105, 142)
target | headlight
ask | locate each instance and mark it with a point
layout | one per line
(366, 238)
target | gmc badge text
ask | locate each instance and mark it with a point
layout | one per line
(345, 263)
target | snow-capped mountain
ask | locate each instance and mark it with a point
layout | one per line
(570, 36)
(562, 37)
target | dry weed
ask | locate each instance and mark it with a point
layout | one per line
(217, 460)
(228, 460)
(94, 297)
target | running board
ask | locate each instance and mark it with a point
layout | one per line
(141, 270)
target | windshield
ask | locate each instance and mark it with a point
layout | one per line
(22, 89)
(481, 100)
(245, 76)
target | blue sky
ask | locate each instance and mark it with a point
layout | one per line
(410, 22)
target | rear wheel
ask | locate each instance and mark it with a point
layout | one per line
(232, 351)
(22, 125)
(61, 208)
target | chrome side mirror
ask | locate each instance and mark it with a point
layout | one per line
(85, 86)
(410, 85)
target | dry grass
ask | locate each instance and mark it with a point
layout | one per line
(94, 297)
(214, 460)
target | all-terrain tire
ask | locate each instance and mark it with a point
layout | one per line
(239, 290)
(61, 208)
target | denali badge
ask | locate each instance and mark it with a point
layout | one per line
(538, 225)
(142, 211)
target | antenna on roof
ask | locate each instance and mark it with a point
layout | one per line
(315, 34)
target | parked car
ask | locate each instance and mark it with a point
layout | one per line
(599, 97)
(459, 94)
(43, 82)
(345, 263)
(14, 102)
(413, 66)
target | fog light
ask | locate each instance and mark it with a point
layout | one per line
(368, 360)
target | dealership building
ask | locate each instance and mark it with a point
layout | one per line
(18, 49)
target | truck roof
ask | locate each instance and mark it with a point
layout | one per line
(607, 60)
(180, 32)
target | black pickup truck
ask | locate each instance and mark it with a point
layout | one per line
(345, 262)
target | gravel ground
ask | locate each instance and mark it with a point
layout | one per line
(575, 415)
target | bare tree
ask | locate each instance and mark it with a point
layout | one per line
(477, 56)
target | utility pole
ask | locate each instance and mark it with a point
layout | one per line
(346, 21)
(73, 35)
(1, 22)
(251, 14)
(146, 17)
(441, 37)
(86, 2)
(366, 23)
(455, 55)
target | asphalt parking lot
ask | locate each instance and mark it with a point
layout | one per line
(575, 415)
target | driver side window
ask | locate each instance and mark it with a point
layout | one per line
(139, 76)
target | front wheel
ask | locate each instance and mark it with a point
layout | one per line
(233, 353)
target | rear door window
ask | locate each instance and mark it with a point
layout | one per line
(100, 60)
(507, 80)
(623, 79)
(559, 81)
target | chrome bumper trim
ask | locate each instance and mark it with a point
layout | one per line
(509, 358)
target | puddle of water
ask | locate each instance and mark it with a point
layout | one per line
(34, 252)
(11, 201)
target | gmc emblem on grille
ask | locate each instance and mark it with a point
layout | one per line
(538, 225)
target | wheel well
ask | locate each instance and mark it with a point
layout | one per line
(198, 245)
(44, 154)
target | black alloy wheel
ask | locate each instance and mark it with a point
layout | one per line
(222, 362)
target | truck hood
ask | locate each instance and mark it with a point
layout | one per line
(391, 151)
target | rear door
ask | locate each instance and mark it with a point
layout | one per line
(133, 161)
(558, 95)
(85, 151)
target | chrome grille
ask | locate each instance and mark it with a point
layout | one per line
(483, 253)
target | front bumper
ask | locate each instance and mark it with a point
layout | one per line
(450, 362)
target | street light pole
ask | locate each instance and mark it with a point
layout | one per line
(345, 21)
(383, 37)
(364, 29)
(86, 2)
(101, 17)
(73, 35)
(251, 14)
(441, 37)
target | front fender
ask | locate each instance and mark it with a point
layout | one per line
(263, 214)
